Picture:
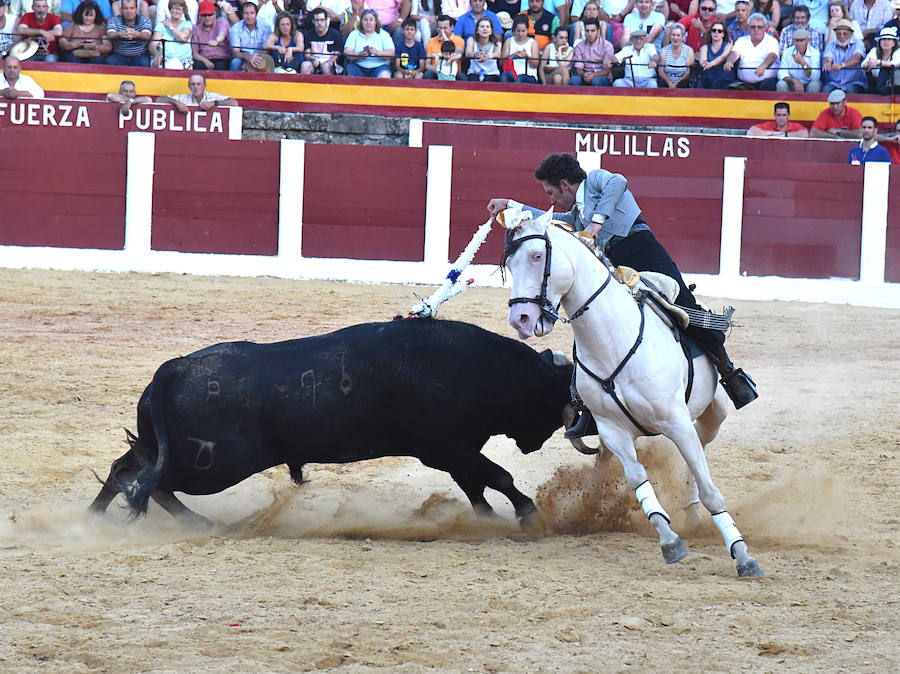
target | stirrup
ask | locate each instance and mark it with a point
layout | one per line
(584, 426)
(740, 387)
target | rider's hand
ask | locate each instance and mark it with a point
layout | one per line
(593, 228)
(495, 206)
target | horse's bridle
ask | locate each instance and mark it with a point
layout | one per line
(548, 311)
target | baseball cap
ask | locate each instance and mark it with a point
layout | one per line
(506, 21)
(206, 7)
(801, 34)
(836, 96)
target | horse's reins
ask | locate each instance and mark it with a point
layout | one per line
(552, 313)
(547, 309)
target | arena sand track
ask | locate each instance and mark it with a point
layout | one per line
(382, 566)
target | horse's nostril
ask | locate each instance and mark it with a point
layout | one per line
(523, 318)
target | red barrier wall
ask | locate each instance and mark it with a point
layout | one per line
(892, 261)
(682, 206)
(479, 176)
(800, 223)
(62, 188)
(364, 202)
(214, 196)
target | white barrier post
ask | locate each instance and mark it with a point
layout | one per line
(437, 207)
(873, 245)
(415, 132)
(139, 192)
(292, 159)
(732, 217)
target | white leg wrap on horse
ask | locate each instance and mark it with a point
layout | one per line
(728, 529)
(647, 498)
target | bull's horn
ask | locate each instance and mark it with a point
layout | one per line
(580, 445)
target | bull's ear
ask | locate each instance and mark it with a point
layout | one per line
(513, 217)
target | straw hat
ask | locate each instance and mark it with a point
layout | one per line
(24, 49)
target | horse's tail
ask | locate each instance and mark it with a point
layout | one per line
(138, 492)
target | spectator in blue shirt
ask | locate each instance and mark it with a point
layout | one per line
(841, 59)
(868, 148)
(465, 25)
(248, 37)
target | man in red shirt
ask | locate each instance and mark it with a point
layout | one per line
(43, 27)
(839, 120)
(781, 127)
(697, 25)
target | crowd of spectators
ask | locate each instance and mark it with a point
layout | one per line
(769, 45)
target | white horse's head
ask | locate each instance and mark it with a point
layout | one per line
(539, 278)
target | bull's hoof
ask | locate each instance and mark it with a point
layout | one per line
(749, 569)
(527, 516)
(674, 552)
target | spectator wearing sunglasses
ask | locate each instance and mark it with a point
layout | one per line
(698, 25)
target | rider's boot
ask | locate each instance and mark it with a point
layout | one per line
(739, 385)
(583, 426)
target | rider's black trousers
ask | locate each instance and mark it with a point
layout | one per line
(641, 251)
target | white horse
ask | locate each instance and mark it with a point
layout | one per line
(630, 371)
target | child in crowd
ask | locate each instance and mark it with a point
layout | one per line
(409, 62)
(448, 63)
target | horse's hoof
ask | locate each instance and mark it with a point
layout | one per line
(674, 552)
(749, 569)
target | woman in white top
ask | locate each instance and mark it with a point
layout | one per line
(483, 50)
(883, 62)
(522, 52)
(556, 60)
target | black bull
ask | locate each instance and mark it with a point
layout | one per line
(431, 389)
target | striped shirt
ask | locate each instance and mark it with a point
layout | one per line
(125, 47)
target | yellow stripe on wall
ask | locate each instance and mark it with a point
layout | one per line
(545, 103)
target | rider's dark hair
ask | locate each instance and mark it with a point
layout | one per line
(558, 167)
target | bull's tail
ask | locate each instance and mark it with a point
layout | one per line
(138, 492)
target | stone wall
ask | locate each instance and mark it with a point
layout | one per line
(326, 128)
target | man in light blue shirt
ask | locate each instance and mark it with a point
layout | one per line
(800, 66)
(247, 39)
(841, 59)
(465, 25)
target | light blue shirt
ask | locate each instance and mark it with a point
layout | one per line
(818, 14)
(790, 68)
(248, 41)
(839, 54)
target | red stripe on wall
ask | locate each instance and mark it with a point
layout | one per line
(364, 202)
(892, 254)
(800, 223)
(58, 194)
(214, 196)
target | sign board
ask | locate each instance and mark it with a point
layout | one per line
(103, 118)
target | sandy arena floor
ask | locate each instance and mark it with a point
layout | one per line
(382, 566)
